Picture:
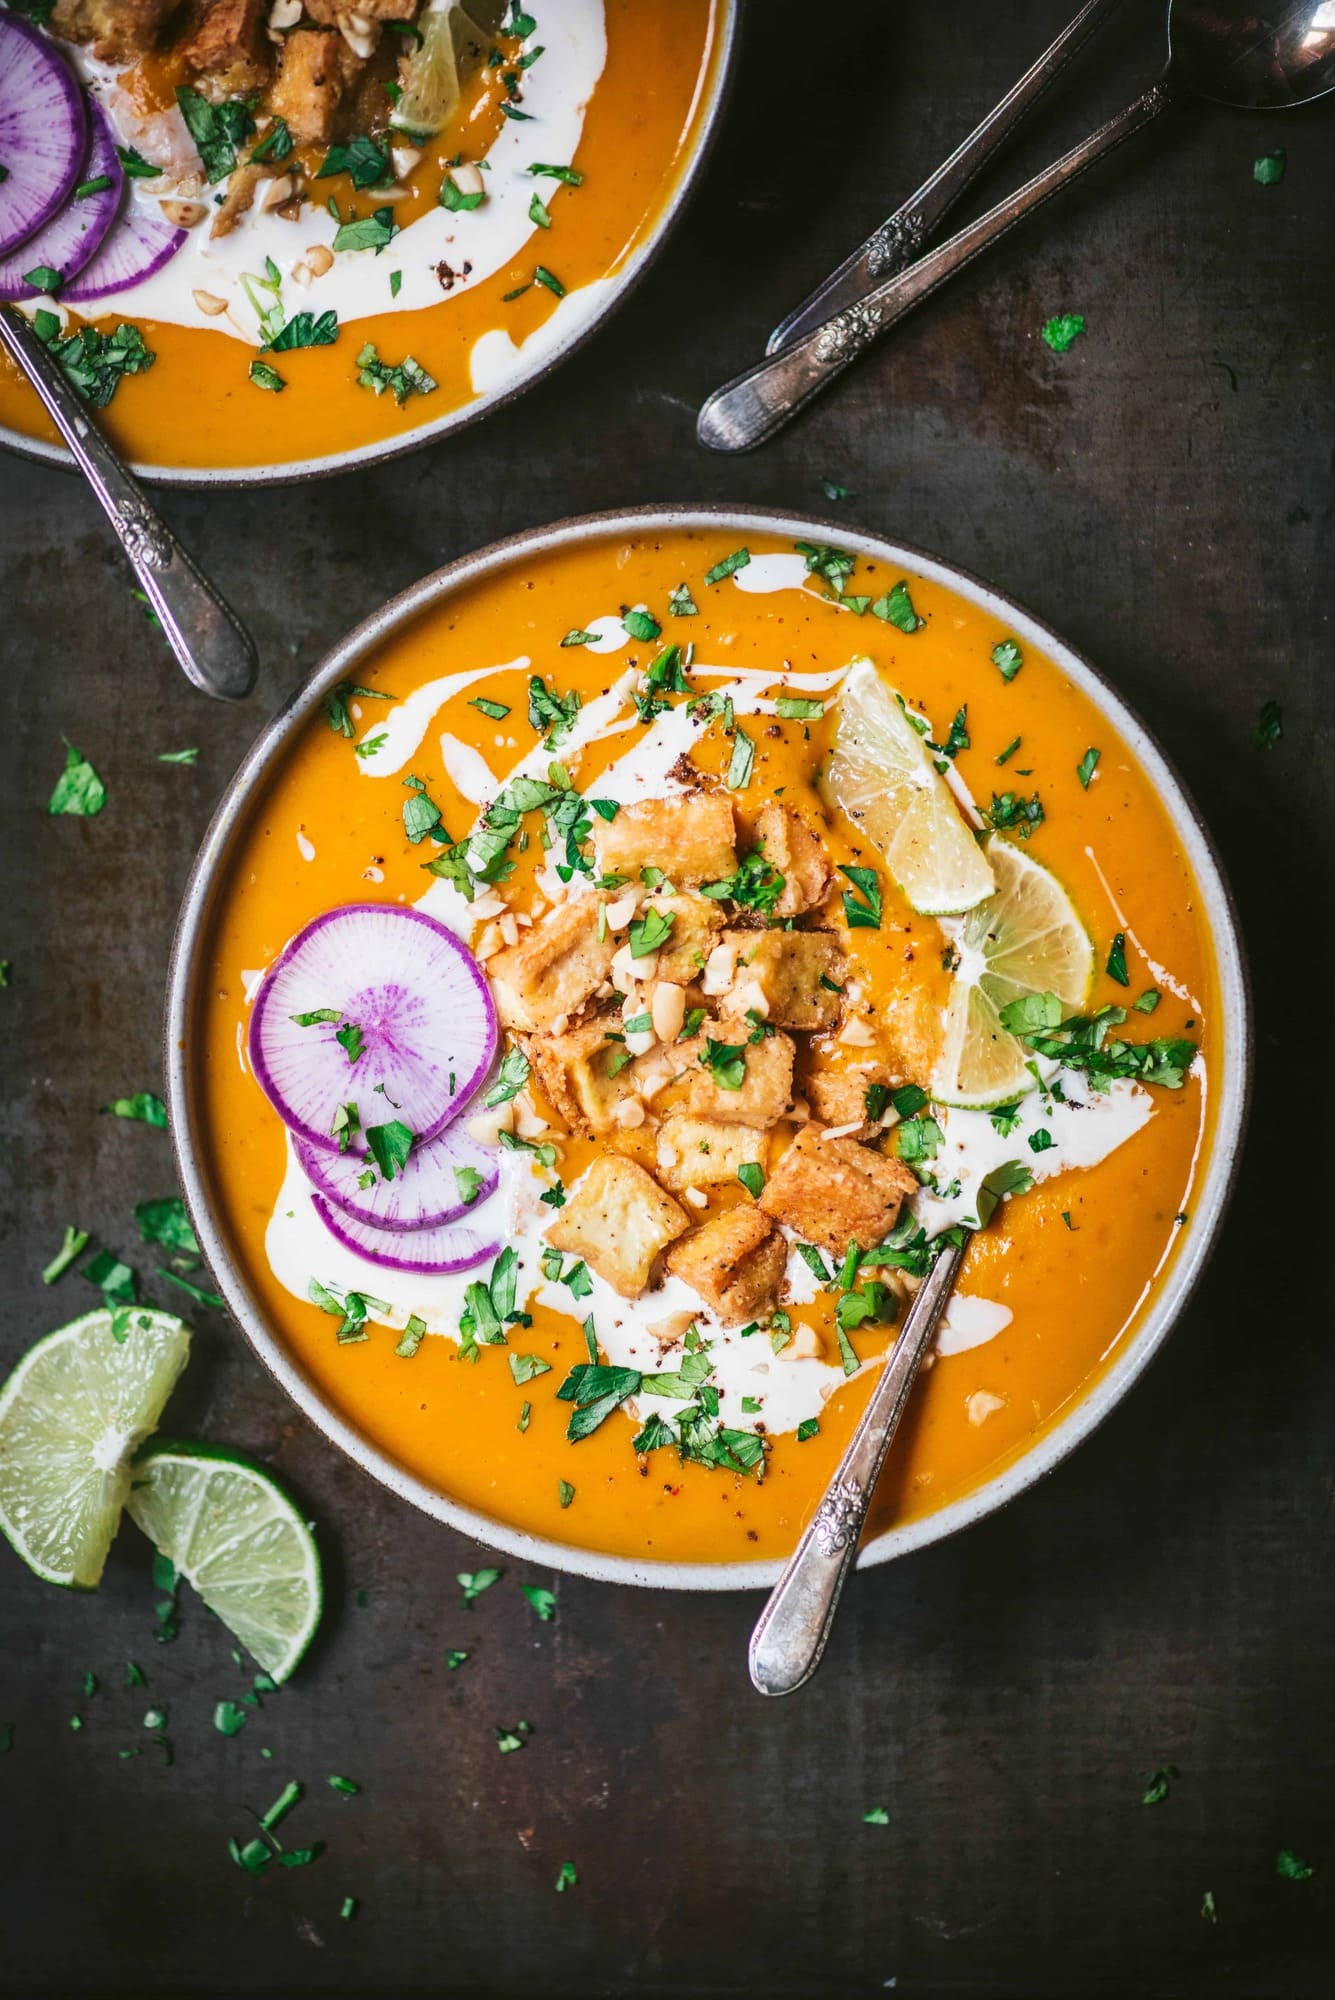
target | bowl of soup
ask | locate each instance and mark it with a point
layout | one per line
(336, 235)
(623, 966)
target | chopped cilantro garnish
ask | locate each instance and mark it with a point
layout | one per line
(798, 708)
(496, 711)
(641, 625)
(413, 1334)
(896, 608)
(808, 1428)
(1010, 812)
(752, 1177)
(1268, 168)
(741, 763)
(877, 1816)
(1159, 1785)
(565, 1492)
(542, 274)
(566, 1877)
(390, 1144)
(474, 1582)
(1009, 1178)
(543, 1601)
(367, 232)
(1008, 659)
(681, 604)
(862, 911)
(1085, 769)
(728, 566)
(1148, 1000)
(1291, 1866)
(566, 174)
(75, 1243)
(217, 129)
(363, 158)
(409, 378)
(649, 931)
(726, 1063)
(265, 377)
(136, 167)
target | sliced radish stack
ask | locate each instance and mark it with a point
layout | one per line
(427, 1253)
(71, 238)
(139, 242)
(419, 1001)
(43, 133)
(422, 1195)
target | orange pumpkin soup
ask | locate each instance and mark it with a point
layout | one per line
(370, 281)
(734, 1105)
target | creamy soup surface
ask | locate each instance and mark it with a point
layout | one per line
(486, 245)
(688, 690)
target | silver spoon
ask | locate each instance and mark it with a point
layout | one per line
(1217, 50)
(902, 235)
(212, 646)
(791, 1631)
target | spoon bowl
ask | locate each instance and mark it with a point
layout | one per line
(1268, 62)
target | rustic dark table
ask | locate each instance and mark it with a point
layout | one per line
(1163, 495)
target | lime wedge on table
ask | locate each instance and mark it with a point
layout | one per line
(232, 1532)
(882, 775)
(453, 40)
(1024, 939)
(71, 1415)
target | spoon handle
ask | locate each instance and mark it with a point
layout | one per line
(899, 239)
(750, 408)
(212, 646)
(791, 1631)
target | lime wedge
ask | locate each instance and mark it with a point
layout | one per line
(882, 775)
(1024, 939)
(453, 42)
(231, 1531)
(71, 1416)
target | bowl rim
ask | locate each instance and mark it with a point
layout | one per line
(715, 92)
(1220, 1151)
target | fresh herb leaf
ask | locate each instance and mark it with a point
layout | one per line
(1008, 659)
(265, 377)
(143, 1106)
(363, 158)
(1085, 769)
(390, 1145)
(217, 129)
(1268, 168)
(1117, 960)
(729, 566)
(79, 791)
(474, 1582)
(741, 763)
(511, 1078)
(167, 1223)
(896, 608)
(1009, 1178)
(406, 379)
(862, 911)
(649, 931)
(496, 711)
(76, 1241)
(1063, 330)
(797, 708)
(542, 1601)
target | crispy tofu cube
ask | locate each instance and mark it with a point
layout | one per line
(312, 74)
(583, 1073)
(766, 1088)
(704, 1152)
(691, 837)
(736, 1262)
(230, 46)
(788, 844)
(116, 30)
(780, 974)
(618, 1219)
(839, 1096)
(696, 924)
(833, 1192)
(554, 969)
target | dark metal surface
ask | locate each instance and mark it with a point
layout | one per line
(1163, 494)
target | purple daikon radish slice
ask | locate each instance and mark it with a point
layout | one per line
(72, 238)
(139, 242)
(427, 1253)
(425, 1193)
(43, 132)
(411, 1003)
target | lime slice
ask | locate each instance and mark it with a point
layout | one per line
(453, 41)
(881, 774)
(1024, 939)
(71, 1416)
(231, 1531)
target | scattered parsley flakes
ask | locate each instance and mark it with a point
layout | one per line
(1087, 766)
(566, 1877)
(1292, 1867)
(474, 1582)
(143, 1106)
(1268, 168)
(542, 1601)
(96, 363)
(877, 1816)
(1160, 1785)
(1063, 330)
(406, 379)
(79, 792)
(265, 377)
(229, 1718)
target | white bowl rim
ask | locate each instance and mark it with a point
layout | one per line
(1221, 1152)
(717, 86)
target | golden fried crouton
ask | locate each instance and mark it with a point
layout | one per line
(704, 1152)
(583, 1073)
(692, 838)
(312, 71)
(795, 973)
(736, 1262)
(116, 31)
(553, 970)
(618, 1219)
(839, 1096)
(696, 924)
(789, 845)
(765, 1088)
(835, 1191)
(328, 12)
(230, 46)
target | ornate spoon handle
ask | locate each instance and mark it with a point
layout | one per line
(750, 408)
(900, 238)
(791, 1631)
(213, 647)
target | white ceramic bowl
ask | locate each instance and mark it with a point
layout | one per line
(1231, 1082)
(713, 94)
